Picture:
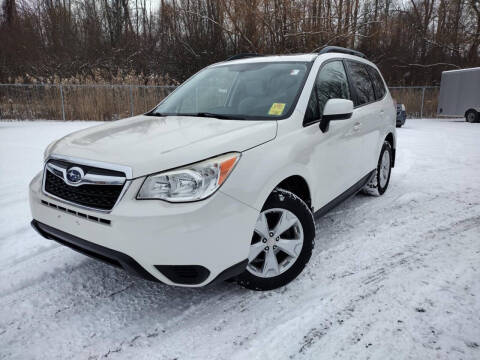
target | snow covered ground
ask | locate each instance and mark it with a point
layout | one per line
(394, 277)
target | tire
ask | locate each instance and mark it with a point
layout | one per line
(399, 125)
(281, 204)
(472, 116)
(378, 183)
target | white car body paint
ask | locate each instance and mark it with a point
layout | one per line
(152, 144)
(216, 232)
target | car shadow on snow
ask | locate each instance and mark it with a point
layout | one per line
(111, 298)
(91, 287)
(100, 280)
(115, 281)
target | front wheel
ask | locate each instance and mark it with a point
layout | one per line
(281, 244)
(379, 182)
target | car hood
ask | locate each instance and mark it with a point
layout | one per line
(150, 144)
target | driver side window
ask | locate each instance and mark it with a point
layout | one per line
(331, 83)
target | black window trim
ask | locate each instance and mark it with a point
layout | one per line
(381, 78)
(355, 90)
(304, 124)
(308, 64)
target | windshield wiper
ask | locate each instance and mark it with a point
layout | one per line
(199, 114)
(216, 116)
(151, 113)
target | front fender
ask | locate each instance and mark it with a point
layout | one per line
(259, 171)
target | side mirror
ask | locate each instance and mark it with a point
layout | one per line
(335, 109)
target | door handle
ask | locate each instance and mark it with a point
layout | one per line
(357, 126)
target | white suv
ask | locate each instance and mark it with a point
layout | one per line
(222, 179)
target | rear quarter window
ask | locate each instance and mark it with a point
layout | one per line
(378, 84)
(361, 82)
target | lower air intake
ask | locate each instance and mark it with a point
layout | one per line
(184, 274)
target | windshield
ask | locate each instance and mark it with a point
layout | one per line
(239, 91)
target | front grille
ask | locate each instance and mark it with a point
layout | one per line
(102, 197)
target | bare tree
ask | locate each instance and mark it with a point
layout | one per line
(9, 10)
(412, 42)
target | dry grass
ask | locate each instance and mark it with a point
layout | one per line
(112, 102)
(412, 99)
(86, 102)
(84, 97)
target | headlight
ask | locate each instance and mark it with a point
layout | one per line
(189, 183)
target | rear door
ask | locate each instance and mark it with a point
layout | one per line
(383, 109)
(366, 115)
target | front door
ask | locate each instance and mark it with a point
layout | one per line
(336, 155)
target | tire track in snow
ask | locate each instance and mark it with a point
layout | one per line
(73, 307)
(376, 277)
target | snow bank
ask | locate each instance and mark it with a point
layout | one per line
(393, 277)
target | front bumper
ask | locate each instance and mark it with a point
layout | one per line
(163, 239)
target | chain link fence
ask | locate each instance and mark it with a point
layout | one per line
(78, 102)
(112, 102)
(419, 101)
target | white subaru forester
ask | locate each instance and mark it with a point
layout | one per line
(223, 179)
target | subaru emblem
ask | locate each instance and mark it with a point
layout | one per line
(74, 175)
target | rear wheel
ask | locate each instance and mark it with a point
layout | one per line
(472, 116)
(281, 244)
(379, 182)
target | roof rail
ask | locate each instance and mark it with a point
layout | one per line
(242, 56)
(338, 49)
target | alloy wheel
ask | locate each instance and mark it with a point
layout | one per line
(276, 244)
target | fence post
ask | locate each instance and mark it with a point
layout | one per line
(131, 101)
(63, 105)
(423, 98)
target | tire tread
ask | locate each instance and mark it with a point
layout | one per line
(372, 187)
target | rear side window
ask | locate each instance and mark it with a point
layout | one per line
(361, 82)
(378, 84)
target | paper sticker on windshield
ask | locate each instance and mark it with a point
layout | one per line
(276, 109)
(294, 72)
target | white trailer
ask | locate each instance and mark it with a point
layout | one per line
(460, 94)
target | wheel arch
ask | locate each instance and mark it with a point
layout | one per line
(299, 186)
(468, 110)
(390, 138)
(294, 178)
